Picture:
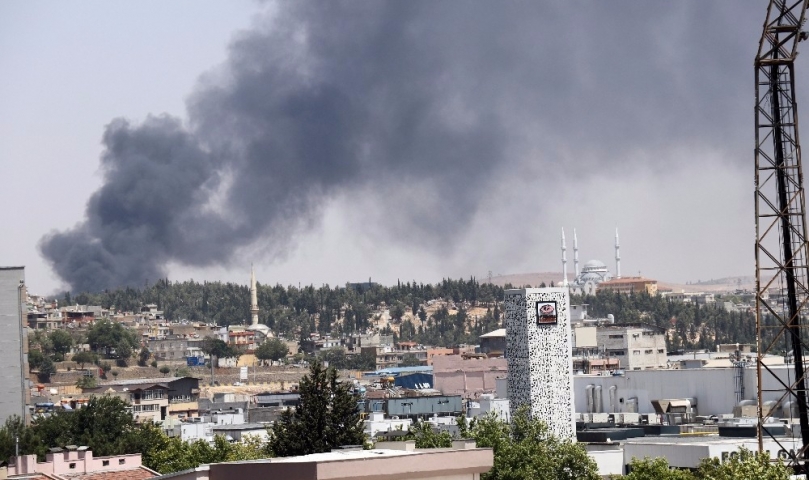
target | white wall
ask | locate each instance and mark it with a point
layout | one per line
(713, 388)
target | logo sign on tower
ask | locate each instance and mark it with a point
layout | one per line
(546, 313)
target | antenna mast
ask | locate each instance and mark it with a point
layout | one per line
(782, 291)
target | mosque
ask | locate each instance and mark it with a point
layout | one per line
(592, 273)
(262, 332)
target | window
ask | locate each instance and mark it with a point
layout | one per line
(616, 336)
(72, 466)
(617, 353)
(635, 352)
(659, 350)
(153, 394)
(647, 352)
(105, 463)
(121, 461)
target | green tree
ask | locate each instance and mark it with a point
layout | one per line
(397, 312)
(336, 357)
(143, 357)
(46, 369)
(218, 348)
(165, 370)
(746, 465)
(13, 429)
(83, 357)
(655, 469)
(86, 381)
(273, 349)
(103, 425)
(427, 437)
(526, 449)
(172, 455)
(60, 341)
(35, 359)
(112, 339)
(327, 416)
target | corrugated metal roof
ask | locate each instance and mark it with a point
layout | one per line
(500, 332)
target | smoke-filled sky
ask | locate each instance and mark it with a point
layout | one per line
(328, 142)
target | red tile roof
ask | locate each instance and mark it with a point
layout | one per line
(140, 473)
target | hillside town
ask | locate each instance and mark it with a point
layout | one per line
(197, 381)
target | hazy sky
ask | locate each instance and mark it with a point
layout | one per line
(329, 142)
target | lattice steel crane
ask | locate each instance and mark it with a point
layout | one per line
(782, 271)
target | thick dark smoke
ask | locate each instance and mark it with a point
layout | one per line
(329, 98)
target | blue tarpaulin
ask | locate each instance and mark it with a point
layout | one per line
(414, 381)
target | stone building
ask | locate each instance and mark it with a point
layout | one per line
(637, 346)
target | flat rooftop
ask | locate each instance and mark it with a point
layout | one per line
(692, 440)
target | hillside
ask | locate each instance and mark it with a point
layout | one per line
(725, 284)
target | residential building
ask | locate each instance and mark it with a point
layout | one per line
(169, 347)
(190, 429)
(240, 432)
(432, 352)
(315, 344)
(154, 399)
(277, 399)
(356, 341)
(629, 285)
(14, 384)
(487, 404)
(43, 315)
(416, 407)
(242, 338)
(378, 423)
(387, 357)
(637, 346)
(682, 296)
(79, 463)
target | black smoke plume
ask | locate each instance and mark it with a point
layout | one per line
(327, 98)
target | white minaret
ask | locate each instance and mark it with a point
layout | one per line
(564, 260)
(253, 297)
(617, 256)
(575, 253)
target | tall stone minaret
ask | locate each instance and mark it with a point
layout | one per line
(617, 256)
(575, 253)
(253, 297)
(564, 260)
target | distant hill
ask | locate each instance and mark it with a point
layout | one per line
(533, 279)
(713, 285)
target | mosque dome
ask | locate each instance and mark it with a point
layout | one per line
(593, 272)
(262, 329)
(594, 266)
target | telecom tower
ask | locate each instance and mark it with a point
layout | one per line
(781, 248)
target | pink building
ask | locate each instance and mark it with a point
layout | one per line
(80, 465)
(454, 375)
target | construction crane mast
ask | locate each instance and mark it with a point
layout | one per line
(782, 271)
